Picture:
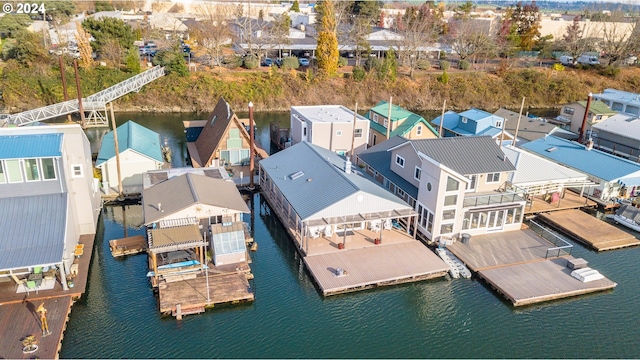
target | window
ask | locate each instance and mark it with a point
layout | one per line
(76, 170)
(463, 120)
(417, 172)
(48, 169)
(471, 186)
(493, 177)
(450, 200)
(400, 161)
(449, 214)
(338, 132)
(425, 218)
(598, 117)
(13, 170)
(632, 110)
(375, 117)
(617, 106)
(374, 139)
(419, 130)
(386, 122)
(304, 131)
(2, 177)
(452, 184)
(499, 124)
(569, 111)
(31, 169)
(446, 228)
(428, 186)
(357, 133)
(401, 193)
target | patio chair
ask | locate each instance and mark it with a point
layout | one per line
(31, 285)
(37, 269)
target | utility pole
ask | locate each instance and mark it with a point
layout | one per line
(515, 135)
(353, 133)
(584, 121)
(115, 142)
(64, 83)
(251, 146)
(75, 67)
(444, 106)
(389, 117)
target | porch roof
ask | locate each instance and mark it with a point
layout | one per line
(175, 238)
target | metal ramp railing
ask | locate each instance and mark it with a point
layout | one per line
(93, 104)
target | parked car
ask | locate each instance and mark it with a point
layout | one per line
(267, 62)
(588, 60)
(278, 62)
(566, 60)
(303, 61)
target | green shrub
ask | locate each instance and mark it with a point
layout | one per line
(443, 55)
(423, 65)
(372, 63)
(464, 65)
(251, 62)
(290, 62)
(342, 61)
(444, 78)
(358, 73)
(557, 67)
(610, 71)
(232, 61)
(444, 64)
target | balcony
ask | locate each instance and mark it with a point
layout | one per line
(493, 198)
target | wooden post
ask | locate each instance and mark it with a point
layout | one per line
(389, 116)
(515, 135)
(75, 68)
(115, 142)
(444, 106)
(64, 84)
(155, 266)
(584, 120)
(415, 226)
(251, 146)
(353, 134)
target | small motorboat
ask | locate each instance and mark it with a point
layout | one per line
(627, 215)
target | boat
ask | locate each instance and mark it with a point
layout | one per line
(456, 267)
(627, 215)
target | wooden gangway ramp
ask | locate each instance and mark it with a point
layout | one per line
(585, 228)
(128, 246)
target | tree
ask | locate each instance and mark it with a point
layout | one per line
(508, 40)
(526, 19)
(388, 70)
(573, 41)
(112, 52)
(327, 48)
(109, 28)
(14, 22)
(59, 11)
(469, 39)
(132, 60)
(357, 35)
(617, 39)
(172, 60)
(84, 46)
(26, 49)
(295, 7)
(369, 9)
(463, 11)
(213, 32)
(279, 31)
(420, 26)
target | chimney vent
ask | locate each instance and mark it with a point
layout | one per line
(347, 167)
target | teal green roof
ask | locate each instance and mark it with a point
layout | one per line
(131, 136)
(597, 107)
(398, 113)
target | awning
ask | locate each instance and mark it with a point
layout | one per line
(629, 182)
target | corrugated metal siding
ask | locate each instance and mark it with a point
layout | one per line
(33, 230)
(466, 155)
(30, 146)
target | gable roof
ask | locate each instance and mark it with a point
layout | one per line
(466, 155)
(597, 107)
(532, 168)
(529, 129)
(621, 124)
(593, 162)
(476, 114)
(398, 113)
(132, 136)
(452, 122)
(33, 230)
(379, 158)
(215, 128)
(182, 191)
(313, 181)
(30, 146)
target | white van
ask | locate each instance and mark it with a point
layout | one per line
(588, 60)
(566, 60)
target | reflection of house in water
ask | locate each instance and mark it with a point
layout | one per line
(182, 214)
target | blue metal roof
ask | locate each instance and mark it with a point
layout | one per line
(30, 146)
(476, 114)
(574, 155)
(131, 136)
(33, 230)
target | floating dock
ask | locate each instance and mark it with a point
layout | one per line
(583, 227)
(128, 246)
(518, 266)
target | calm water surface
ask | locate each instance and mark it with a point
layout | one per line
(118, 317)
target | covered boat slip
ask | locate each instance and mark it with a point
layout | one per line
(524, 267)
(583, 227)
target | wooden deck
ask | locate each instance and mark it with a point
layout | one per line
(514, 264)
(128, 246)
(191, 294)
(531, 283)
(571, 200)
(18, 317)
(372, 266)
(583, 227)
(18, 320)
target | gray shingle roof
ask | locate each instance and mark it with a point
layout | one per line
(32, 230)
(380, 159)
(185, 190)
(323, 189)
(466, 155)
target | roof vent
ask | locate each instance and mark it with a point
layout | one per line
(552, 149)
(296, 175)
(309, 179)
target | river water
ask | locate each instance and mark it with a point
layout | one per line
(461, 318)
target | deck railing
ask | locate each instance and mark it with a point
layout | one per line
(492, 199)
(562, 247)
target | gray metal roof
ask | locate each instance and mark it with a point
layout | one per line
(532, 168)
(33, 230)
(312, 179)
(185, 190)
(466, 155)
(175, 238)
(379, 158)
(529, 129)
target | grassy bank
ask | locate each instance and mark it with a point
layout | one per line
(276, 90)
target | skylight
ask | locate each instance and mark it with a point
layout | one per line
(296, 175)
(552, 149)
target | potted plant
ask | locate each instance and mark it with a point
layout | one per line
(29, 344)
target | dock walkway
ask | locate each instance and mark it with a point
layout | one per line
(583, 227)
(515, 264)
